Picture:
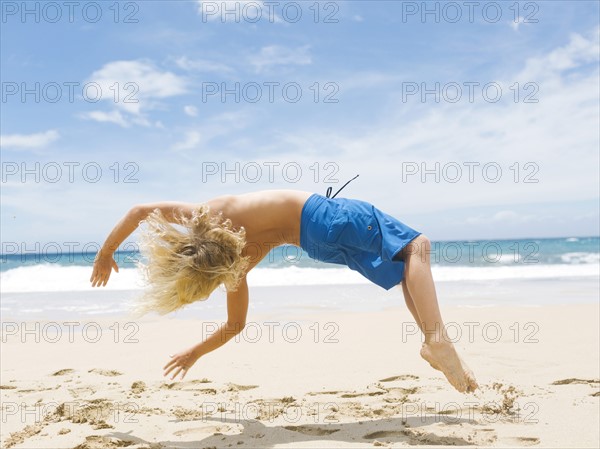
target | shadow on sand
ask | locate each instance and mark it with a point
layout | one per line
(257, 434)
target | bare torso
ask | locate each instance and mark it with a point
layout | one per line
(270, 218)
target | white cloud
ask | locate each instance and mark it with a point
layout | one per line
(520, 21)
(579, 51)
(502, 217)
(191, 140)
(28, 141)
(558, 135)
(224, 124)
(133, 87)
(202, 65)
(192, 111)
(274, 55)
(368, 80)
(106, 117)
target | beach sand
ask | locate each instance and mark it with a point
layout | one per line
(316, 378)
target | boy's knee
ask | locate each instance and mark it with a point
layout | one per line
(424, 244)
(420, 246)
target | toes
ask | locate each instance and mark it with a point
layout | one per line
(472, 383)
(461, 387)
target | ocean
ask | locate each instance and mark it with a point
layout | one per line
(53, 283)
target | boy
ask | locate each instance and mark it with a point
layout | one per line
(227, 236)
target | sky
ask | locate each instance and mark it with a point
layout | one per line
(466, 120)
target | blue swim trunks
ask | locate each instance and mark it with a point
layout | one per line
(357, 234)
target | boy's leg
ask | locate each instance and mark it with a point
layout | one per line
(411, 305)
(437, 349)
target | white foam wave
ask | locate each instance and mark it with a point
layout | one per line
(515, 272)
(53, 278)
(510, 258)
(580, 257)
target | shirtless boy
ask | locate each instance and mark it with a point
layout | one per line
(218, 242)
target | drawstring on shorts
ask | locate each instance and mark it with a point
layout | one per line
(329, 189)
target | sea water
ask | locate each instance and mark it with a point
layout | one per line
(40, 284)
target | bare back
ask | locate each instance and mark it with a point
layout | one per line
(270, 218)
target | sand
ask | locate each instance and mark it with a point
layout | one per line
(320, 378)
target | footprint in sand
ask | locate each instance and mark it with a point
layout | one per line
(34, 390)
(356, 395)
(385, 434)
(82, 391)
(521, 441)
(19, 437)
(498, 399)
(62, 372)
(235, 387)
(317, 393)
(576, 381)
(310, 430)
(402, 391)
(100, 442)
(184, 386)
(105, 372)
(591, 382)
(419, 437)
(138, 387)
(401, 377)
(206, 430)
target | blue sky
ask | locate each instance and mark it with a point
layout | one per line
(353, 104)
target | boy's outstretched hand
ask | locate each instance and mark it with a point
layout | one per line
(103, 266)
(181, 363)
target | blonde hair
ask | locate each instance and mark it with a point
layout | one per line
(186, 266)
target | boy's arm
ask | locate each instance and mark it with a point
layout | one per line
(104, 261)
(237, 309)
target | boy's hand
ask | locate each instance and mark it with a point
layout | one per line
(181, 363)
(103, 266)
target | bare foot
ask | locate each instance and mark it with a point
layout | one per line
(443, 357)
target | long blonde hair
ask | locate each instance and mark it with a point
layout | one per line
(186, 265)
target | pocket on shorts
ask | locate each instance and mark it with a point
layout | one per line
(337, 225)
(357, 230)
